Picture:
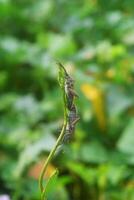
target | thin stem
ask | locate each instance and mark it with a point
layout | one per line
(44, 189)
(52, 152)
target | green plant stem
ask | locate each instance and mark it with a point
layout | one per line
(44, 190)
(51, 154)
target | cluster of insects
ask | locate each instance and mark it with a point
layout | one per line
(72, 117)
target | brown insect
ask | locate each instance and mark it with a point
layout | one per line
(70, 93)
(72, 120)
(72, 112)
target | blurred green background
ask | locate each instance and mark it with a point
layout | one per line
(94, 39)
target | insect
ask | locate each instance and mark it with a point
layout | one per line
(72, 117)
(71, 94)
(69, 88)
(72, 120)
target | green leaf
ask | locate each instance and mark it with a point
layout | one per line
(59, 44)
(126, 142)
(93, 152)
(32, 151)
(88, 174)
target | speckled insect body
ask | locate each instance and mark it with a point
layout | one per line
(72, 112)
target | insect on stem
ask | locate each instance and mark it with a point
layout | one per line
(70, 119)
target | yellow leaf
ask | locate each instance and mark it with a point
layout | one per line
(96, 97)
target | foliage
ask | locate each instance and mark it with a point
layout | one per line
(94, 40)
